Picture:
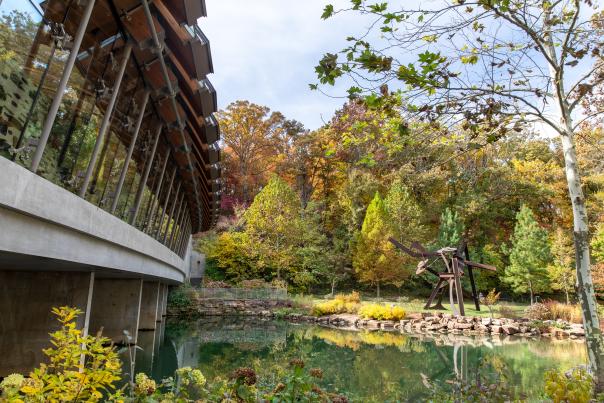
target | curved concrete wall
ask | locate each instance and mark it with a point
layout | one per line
(39, 218)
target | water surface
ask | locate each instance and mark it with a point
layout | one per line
(367, 366)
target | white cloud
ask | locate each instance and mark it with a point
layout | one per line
(265, 51)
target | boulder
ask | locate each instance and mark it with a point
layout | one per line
(510, 329)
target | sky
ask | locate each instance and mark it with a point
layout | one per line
(265, 51)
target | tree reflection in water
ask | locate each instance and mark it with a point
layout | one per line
(376, 366)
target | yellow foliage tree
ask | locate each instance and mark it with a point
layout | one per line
(375, 259)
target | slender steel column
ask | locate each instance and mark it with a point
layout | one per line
(120, 182)
(106, 118)
(185, 237)
(176, 220)
(180, 226)
(143, 181)
(183, 234)
(171, 213)
(56, 102)
(159, 205)
(156, 195)
(163, 213)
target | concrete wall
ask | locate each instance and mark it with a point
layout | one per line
(115, 308)
(26, 300)
(43, 220)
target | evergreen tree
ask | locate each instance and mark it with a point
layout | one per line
(375, 260)
(529, 256)
(450, 231)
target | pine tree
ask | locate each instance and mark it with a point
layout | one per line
(529, 256)
(450, 231)
(375, 260)
(597, 244)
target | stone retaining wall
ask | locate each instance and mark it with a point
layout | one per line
(427, 323)
(228, 307)
(446, 323)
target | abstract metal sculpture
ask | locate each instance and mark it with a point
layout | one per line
(453, 259)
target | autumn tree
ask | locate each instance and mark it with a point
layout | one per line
(375, 260)
(248, 132)
(529, 256)
(490, 67)
(561, 273)
(274, 226)
(404, 212)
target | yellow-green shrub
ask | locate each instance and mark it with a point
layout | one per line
(353, 297)
(573, 387)
(342, 303)
(334, 306)
(382, 312)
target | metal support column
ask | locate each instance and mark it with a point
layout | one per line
(163, 213)
(105, 123)
(157, 216)
(171, 213)
(156, 194)
(176, 221)
(120, 182)
(56, 102)
(143, 181)
(181, 223)
(183, 234)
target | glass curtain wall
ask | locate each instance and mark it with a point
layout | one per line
(33, 52)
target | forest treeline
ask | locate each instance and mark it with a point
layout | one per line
(316, 208)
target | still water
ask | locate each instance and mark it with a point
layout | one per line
(366, 366)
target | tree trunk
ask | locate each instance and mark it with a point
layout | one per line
(378, 289)
(585, 289)
(333, 286)
(530, 286)
(567, 300)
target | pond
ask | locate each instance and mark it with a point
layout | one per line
(366, 366)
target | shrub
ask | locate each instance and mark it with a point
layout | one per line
(574, 386)
(538, 311)
(382, 312)
(66, 376)
(334, 306)
(254, 283)
(569, 313)
(353, 297)
(540, 325)
(342, 303)
(490, 300)
(506, 311)
(181, 296)
(216, 284)
(553, 310)
(279, 283)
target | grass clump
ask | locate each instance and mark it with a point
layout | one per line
(342, 303)
(553, 310)
(382, 312)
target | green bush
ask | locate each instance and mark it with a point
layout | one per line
(181, 296)
(382, 312)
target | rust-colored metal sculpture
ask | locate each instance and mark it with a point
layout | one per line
(454, 260)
